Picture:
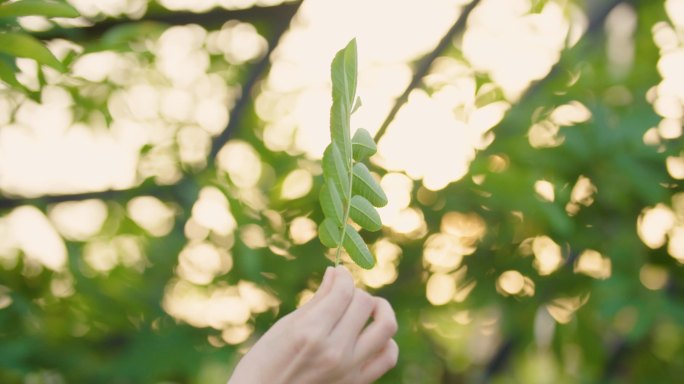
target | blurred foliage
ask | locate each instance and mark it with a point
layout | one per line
(545, 263)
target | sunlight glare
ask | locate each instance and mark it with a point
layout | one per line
(385, 271)
(296, 185)
(563, 309)
(571, 113)
(200, 263)
(303, 230)
(253, 236)
(675, 247)
(441, 148)
(593, 264)
(675, 10)
(653, 277)
(257, 299)
(242, 163)
(582, 194)
(440, 288)
(236, 334)
(675, 166)
(37, 238)
(78, 220)
(653, 225)
(151, 214)
(547, 255)
(514, 46)
(544, 190)
(212, 211)
(511, 282)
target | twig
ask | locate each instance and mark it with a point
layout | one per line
(424, 65)
(255, 74)
(215, 17)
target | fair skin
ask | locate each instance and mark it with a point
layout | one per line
(327, 340)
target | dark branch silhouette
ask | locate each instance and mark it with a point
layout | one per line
(218, 142)
(215, 17)
(257, 70)
(424, 65)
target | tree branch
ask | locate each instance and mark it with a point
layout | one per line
(215, 17)
(148, 188)
(598, 18)
(424, 65)
(257, 70)
(172, 190)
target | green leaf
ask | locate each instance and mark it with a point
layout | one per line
(364, 214)
(23, 45)
(365, 185)
(329, 233)
(37, 8)
(357, 248)
(331, 202)
(343, 74)
(335, 169)
(363, 145)
(357, 104)
(122, 37)
(8, 73)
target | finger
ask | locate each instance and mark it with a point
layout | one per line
(381, 362)
(347, 330)
(323, 289)
(328, 311)
(376, 335)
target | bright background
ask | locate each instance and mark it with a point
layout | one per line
(158, 199)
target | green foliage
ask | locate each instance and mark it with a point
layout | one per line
(15, 43)
(457, 322)
(23, 45)
(37, 8)
(350, 191)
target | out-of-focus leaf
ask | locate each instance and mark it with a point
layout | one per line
(8, 72)
(37, 8)
(120, 37)
(24, 45)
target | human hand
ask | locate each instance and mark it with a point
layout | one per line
(326, 340)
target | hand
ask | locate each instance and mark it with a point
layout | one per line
(326, 341)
